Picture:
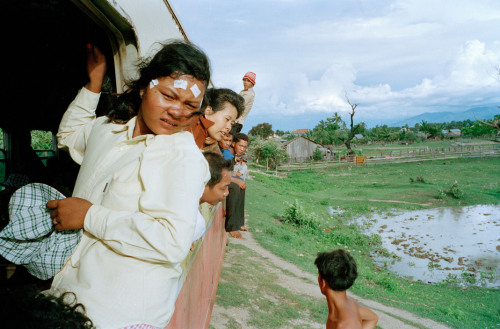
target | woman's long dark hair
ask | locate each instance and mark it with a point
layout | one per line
(174, 58)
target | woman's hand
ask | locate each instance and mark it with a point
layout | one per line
(96, 68)
(69, 213)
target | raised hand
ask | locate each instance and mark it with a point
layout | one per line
(96, 68)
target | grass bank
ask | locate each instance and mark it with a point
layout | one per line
(360, 191)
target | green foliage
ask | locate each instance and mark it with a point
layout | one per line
(264, 150)
(326, 131)
(317, 154)
(478, 129)
(419, 179)
(432, 265)
(468, 277)
(262, 129)
(455, 191)
(432, 130)
(41, 140)
(281, 132)
(296, 215)
(441, 194)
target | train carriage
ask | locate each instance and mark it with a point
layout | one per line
(44, 67)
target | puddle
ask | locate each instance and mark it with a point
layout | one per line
(335, 211)
(461, 244)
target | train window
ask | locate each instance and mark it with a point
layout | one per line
(42, 143)
(41, 140)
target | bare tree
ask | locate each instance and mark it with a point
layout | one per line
(352, 130)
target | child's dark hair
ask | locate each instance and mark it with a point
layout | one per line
(25, 308)
(217, 164)
(233, 131)
(338, 268)
(175, 58)
(216, 97)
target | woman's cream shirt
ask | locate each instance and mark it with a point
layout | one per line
(145, 193)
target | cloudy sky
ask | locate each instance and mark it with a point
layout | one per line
(396, 59)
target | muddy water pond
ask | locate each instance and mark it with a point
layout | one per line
(459, 245)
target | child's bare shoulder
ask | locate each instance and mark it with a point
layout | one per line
(355, 307)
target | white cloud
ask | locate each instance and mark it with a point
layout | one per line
(468, 74)
(391, 57)
(238, 21)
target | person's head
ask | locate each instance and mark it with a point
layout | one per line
(240, 143)
(237, 128)
(337, 268)
(168, 94)
(15, 181)
(249, 80)
(226, 141)
(25, 308)
(242, 159)
(222, 106)
(217, 187)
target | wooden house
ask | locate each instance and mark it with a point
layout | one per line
(301, 149)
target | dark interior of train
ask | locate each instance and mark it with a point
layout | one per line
(44, 67)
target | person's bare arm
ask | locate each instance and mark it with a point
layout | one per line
(368, 318)
(240, 183)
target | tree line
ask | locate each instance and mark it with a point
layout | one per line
(335, 131)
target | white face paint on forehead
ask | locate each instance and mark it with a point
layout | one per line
(182, 84)
(195, 90)
(153, 83)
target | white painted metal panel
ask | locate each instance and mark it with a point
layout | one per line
(152, 20)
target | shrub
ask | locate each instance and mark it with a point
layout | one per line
(297, 216)
(441, 194)
(317, 154)
(419, 179)
(456, 191)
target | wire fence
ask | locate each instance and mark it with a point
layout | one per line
(386, 156)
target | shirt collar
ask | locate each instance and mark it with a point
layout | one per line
(205, 122)
(128, 128)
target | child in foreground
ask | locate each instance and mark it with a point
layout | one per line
(216, 189)
(337, 272)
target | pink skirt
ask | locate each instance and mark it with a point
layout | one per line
(141, 326)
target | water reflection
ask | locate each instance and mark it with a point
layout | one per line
(457, 244)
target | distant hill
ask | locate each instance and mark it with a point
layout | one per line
(476, 113)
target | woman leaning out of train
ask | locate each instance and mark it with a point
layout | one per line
(138, 189)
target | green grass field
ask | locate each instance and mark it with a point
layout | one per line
(360, 191)
(419, 144)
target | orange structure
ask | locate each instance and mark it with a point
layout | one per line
(202, 268)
